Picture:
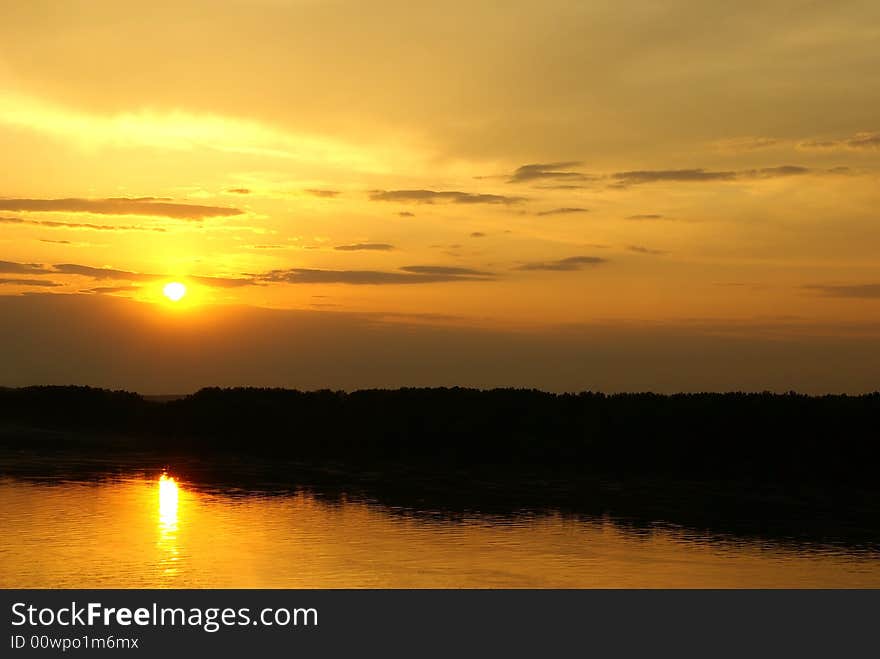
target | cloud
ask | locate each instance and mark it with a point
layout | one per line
(737, 144)
(431, 196)
(52, 224)
(105, 290)
(239, 191)
(56, 242)
(406, 214)
(564, 265)
(821, 144)
(775, 172)
(478, 234)
(864, 141)
(119, 206)
(563, 211)
(222, 282)
(322, 193)
(415, 274)
(646, 216)
(863, 291)
(12, 267)
(102, 273)
(28, 282)
(178, 130)
(357, 247)
(126, 275)
(646, 250)
(444, 271)
(550, 170)
(860, 141)
(638, 177)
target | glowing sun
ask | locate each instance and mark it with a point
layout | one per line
(174, 291)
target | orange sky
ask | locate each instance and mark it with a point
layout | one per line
(468, 166)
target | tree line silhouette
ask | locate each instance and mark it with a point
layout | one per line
(760, 436)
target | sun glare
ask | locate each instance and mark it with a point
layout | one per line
(174, 291)
(167, 501)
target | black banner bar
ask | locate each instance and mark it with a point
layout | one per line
(418, 623)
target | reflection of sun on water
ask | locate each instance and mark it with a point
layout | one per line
(167, 501)
(168, 518)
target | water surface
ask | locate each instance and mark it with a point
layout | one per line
(139, 531)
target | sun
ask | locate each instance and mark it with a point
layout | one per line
(174, 291)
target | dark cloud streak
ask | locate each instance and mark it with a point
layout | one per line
(544, 171)
(126, 275)
(563, 211)
(414, 274)
(861, 291)
(119, 206)
(14, 268)
(103, 273)
(646, 250)
(639, 177)
(44, 283)
(432, 196)
(52, 224)
(357, 247)
(569, 264)
(860, 141)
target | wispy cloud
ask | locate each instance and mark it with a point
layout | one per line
(415, 274)
(639, 249)
(451, 196)
(776, 172)
(223, 282)
(358, 247)
(112, 274)
(557, 171)
(445, 270)
(327, 194)
(102, 273)
(109, 290)
(563, 211)
(869, 140)
(180, 130)
(564, 265)
(646, 217)
(864, 291)
(11, 267)
(44, 283)
(149, 206)
(84, 226)
(639, 177)
(739, 144)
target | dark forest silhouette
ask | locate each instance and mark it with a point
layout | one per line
(782, 467)
(761, 436)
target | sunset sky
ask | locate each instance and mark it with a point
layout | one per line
(648, 195)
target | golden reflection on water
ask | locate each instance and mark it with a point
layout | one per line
(158, 532)
(169, 502)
